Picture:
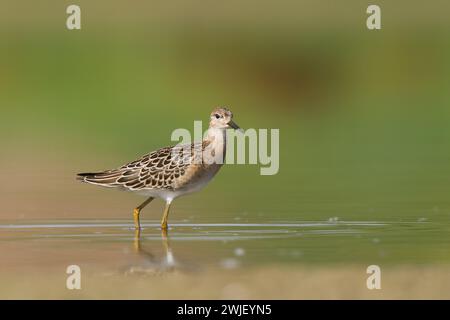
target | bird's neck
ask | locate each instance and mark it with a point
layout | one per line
(215, 141)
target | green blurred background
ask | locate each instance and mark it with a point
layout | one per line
(363, 115)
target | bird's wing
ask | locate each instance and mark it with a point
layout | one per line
(155, 170)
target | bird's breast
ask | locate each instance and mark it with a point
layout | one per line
(196, 176)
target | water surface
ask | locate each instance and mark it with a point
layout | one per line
(112, 249)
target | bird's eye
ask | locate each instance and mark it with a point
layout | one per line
(217, 116)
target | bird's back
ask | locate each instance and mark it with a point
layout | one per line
(166, 169)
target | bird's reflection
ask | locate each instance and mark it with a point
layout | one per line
(153, 265)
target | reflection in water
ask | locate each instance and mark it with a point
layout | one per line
(209, 261)
(152, 264)
(208, 246)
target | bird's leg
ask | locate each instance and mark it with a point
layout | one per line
(165, 215)
(137, 210)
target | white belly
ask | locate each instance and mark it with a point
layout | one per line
(197, 185)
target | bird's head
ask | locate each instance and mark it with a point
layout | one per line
(222, 118)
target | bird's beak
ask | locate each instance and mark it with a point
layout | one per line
(233, 125)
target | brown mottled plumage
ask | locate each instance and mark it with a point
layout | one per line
(161, 169)
(170, 172)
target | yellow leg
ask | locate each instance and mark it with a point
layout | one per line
(137, 211)
(137, 224)
(165, 215)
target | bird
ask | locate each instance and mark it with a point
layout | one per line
(173, 171)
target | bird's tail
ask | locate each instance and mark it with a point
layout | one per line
(85, 175)
(104, 178)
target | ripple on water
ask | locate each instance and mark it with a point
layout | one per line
(185, 231)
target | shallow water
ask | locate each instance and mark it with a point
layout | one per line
(208, 244)
(220, 254)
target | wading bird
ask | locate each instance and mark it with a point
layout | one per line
(171, 172)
